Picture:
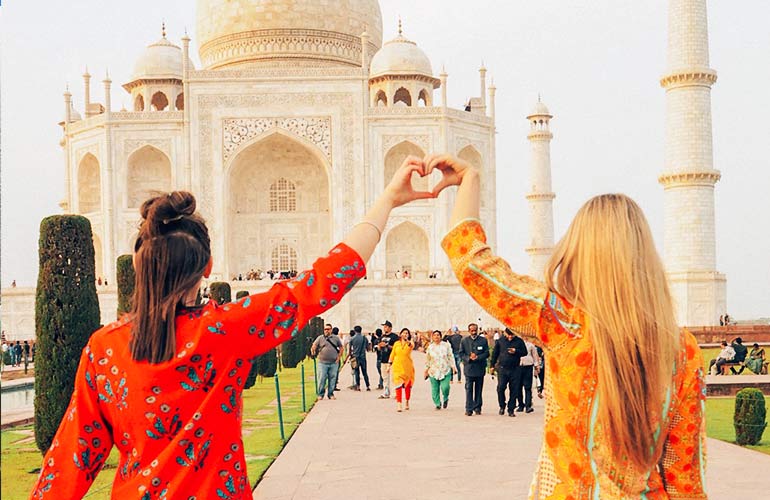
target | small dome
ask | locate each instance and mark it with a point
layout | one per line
(400, 57)
(162, 59)
(540, 109)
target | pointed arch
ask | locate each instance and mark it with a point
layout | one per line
(89, 185)
(423, 99)
(396, 156)
(278, 187)
(283, 258)
(179, 103)
(98, 256)
(407, 248)
(148, 171)
(159, 101)
(402, 95)
(472, 156)
(139, 103)
(381, 99)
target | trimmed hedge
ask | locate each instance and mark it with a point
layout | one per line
(220, 291)
(298, 348)
(126, 279)
(241, 294)
(749, 418)
(66, 314)
(264, 366)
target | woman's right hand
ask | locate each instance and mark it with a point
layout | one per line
(453, 170)
(400, 190)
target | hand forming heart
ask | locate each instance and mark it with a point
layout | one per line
(400, 189)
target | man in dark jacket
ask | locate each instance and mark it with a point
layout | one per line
(358, 344)
(740, 355)
(506, 354)
(474, 351)
(455, 338)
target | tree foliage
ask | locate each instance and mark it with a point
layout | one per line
(220, 291)
(66, 314)
(126, 279)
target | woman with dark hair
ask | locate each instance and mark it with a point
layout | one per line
(163, 384)
(756, 359)
(439, 367)
(402, 368)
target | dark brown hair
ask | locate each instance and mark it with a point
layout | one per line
(170, 255)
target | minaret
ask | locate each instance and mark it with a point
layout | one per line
(87, 92)
(540, 197)
(689, 176)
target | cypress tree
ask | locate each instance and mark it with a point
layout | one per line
(126, 279)
(220, 291)
(66, 314)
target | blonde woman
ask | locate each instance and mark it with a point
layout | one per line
(402, 369)
(625, 391)
(440, 367)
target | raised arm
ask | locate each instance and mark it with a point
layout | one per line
(520, 302)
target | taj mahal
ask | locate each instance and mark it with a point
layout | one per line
(295, 121)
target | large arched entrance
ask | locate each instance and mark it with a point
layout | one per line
(278, 206)
(407, 249)
(149, 171)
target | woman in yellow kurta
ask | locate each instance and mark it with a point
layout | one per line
(624, 389)
(402, 368)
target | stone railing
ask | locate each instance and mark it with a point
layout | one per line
(147, 115)
(716, 334)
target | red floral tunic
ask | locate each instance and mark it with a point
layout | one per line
(177, 424)
(576, 461)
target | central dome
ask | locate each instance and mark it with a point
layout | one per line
(286, 32)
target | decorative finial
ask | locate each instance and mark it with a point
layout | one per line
(163, 29)
(538, 97)
(86, 72)
(400, 27)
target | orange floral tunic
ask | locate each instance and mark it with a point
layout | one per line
(576, 461)
(177, 424)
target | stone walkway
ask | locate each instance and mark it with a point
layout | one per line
(359, 447)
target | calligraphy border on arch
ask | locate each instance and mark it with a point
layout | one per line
(315, 129)
(342, 102)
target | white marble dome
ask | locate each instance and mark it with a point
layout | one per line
(539, 109)
(286, 32)
(400, 56)
(161, 59)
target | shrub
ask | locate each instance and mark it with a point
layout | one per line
(66, 314)
(749, 419)
(126, 279)
(298, 348)
(241, 294)
(220, 291)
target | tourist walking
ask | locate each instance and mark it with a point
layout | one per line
(612, 430)
(376, 336)
(164, 379)
(17, 350)
(528, 365)
(327, 349)
(358, 358)
(383, 349)
(439, 367)
(506, 356)
(454, 337)
(402, 368)
(474, 351)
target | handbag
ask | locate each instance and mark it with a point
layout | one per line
(354, 362)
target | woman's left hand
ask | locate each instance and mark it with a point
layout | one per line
(400, 190)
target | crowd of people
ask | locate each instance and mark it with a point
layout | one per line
(735, 353)
(517, 363)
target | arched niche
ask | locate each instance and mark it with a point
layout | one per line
(256, 222)
(179, 104)
(423, 99)
(148, 171)
(407, 248)
(159, 101)
(89, 185)
(396, 156)
(403, 96)
(139, 103)
(382, 99)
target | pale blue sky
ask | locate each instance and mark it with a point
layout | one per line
(596, 64)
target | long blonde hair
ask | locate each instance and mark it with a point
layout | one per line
(607, 266)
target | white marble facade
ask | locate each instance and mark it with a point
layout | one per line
(285, 137)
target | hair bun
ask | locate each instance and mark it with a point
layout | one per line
(182, 202)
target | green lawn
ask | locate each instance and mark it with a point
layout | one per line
(261, 436)
(719, 423)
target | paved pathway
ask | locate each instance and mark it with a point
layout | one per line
(359, 447)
